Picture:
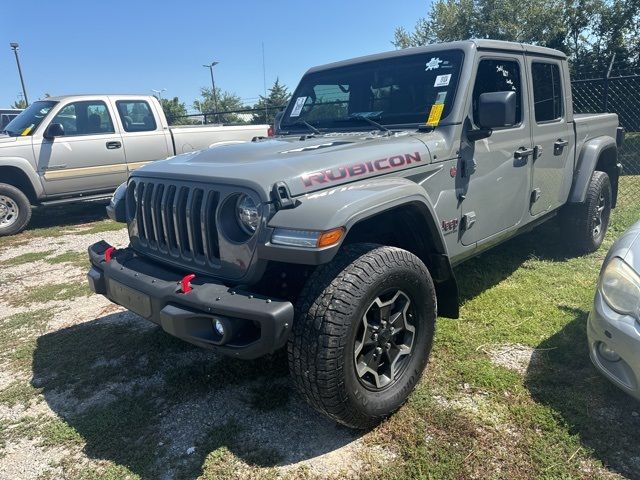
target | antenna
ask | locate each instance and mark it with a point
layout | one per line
(264, 85)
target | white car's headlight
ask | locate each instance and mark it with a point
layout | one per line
(248, 214)
(620, 287)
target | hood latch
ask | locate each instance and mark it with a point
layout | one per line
(281, 196)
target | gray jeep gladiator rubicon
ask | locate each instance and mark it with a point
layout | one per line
(337, 238)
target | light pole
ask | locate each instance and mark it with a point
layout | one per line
(213, 88)
(159, 93)
(14, 46)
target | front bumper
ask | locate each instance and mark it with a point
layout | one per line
(620, 333)
(254, 325)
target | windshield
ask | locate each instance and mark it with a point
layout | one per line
(28, 121)
(402, 92)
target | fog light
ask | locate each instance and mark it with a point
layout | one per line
(219, 327)
(607, 353)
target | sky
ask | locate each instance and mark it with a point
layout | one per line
(135, 46)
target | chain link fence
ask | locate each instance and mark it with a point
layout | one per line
(615, 91)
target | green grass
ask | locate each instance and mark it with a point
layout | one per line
(78, 259)
(26, 258)
(48, 292)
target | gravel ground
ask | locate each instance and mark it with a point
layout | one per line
(301, 441)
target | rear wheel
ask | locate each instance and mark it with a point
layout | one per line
(15, 210)
(585, 224)
(363, 333)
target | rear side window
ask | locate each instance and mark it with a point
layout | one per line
(136, 116)
(547, 91)
(85, 118)
(498, 76)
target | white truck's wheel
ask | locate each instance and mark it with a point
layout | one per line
(15, 210)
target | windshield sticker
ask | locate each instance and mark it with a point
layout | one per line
(435, 114)
(433, 64)
(440, 98)
(26, 131)
(297, 108)
(442, 80)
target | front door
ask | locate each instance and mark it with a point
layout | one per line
(89, 156)
(552, 136)
(493, 189)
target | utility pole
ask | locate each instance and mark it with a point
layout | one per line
(264, 86)
(213, 89)
(14, 46)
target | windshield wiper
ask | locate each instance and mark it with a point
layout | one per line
(366, 116)
(304, 123)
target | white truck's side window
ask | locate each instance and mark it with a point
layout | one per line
(136, 116)
(85, 118)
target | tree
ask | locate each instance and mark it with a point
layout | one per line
(21, 103)
(174, 109)
(588, 31)
(226, 101)
(268, 106)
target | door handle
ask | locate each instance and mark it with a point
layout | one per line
(113, 145)
(559, 145)
(523, 152)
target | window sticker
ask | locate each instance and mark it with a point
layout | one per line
(435, 114)
(433, 64)
(440, 98)
(297, 107)
(442, 80)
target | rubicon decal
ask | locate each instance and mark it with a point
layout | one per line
(357, 169)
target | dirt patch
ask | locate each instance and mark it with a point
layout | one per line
(515, 357)
(27, 459)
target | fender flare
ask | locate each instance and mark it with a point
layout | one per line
(348, 205)
(588, 158)
(25, 167)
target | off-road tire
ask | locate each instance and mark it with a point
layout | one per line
(23, 216)
(330, 308)
(584, 225)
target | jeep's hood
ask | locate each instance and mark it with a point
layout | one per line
(306, 165)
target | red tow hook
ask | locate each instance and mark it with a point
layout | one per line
(108, 253)
(186, 282)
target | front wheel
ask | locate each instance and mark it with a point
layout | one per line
(363, 333)
(15, 210)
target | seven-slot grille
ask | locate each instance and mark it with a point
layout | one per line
(175, 219)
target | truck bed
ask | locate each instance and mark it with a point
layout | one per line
(196, 137)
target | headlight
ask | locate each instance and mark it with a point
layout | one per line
(117, 208)
(620, 287)
(248, 215)
(119, 194)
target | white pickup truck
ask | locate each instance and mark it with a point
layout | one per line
(78, 147)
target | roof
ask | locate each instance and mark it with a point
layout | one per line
(80, 95)
(465, 45)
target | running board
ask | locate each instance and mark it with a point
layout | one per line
(63, 201)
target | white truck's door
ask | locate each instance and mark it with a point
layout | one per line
(89, 156)
(145, 135)
(553, 137)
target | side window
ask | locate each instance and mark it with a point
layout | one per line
(547, 91)
(85, 118)
(136, 116)
(498, 76)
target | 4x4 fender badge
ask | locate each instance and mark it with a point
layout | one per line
(357, 169)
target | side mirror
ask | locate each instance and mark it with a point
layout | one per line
(54, 130)
(496, 110)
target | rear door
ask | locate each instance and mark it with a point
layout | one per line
(88, 157)
(552, 135)
(145, 138)
(495, 182)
